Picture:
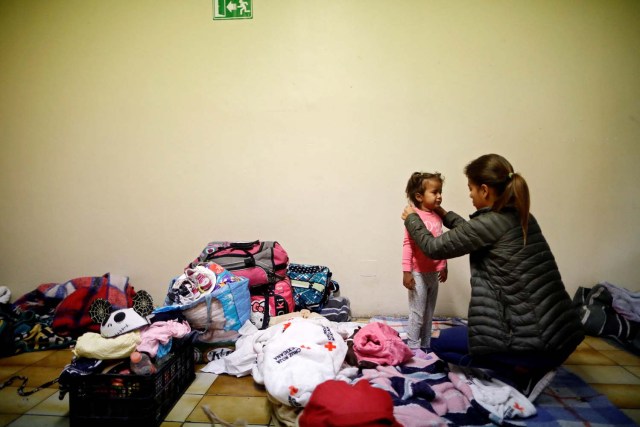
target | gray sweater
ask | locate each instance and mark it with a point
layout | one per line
(518, 301)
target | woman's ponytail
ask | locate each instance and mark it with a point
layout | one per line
(516, 193)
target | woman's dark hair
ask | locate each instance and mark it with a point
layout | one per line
(511, 188)
(416, 184)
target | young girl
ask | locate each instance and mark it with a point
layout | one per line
(521, 323)
(421, 273)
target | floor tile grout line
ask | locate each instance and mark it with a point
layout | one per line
(631, 372)
(609, 358)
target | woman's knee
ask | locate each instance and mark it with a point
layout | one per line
(452, 339)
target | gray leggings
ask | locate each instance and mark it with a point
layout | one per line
(422, 304)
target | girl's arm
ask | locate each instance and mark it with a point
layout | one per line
(407, 252)
(407, 262)
(443, 274)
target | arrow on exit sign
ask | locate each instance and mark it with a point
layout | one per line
(232, 9)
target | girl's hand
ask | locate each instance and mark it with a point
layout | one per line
(407, 211)
(443, 274)
(408, 281)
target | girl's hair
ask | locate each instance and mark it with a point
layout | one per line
(511, 188)
(416, 184)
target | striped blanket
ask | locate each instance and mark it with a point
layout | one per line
(568, 401)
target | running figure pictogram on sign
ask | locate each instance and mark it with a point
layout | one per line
(232, 9)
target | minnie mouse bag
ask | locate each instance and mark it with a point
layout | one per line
(278, 297)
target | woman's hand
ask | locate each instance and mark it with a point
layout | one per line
(407, 211)
(440, 212)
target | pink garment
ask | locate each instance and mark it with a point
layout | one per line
(379, 343)
(414, 415)
(413, 259)
(449, 399)
(160, 333)
(422, 361)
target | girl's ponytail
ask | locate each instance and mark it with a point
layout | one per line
(511, 188)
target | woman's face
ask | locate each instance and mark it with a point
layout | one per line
(479, 195)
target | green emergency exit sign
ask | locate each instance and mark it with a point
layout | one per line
(232, 9)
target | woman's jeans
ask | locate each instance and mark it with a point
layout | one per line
(452, 346)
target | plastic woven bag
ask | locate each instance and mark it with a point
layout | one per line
(217, 315)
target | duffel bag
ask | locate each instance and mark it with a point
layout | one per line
(260, 262)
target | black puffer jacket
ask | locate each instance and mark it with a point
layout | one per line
(518, 301)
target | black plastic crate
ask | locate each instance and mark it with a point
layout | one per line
(131, 400)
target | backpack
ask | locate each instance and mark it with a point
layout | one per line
(260, 262)
(312, 285)
(279, 298)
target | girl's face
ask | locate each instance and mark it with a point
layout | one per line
(479, 195)
(431, 197)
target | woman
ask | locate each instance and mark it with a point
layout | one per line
(521, 323)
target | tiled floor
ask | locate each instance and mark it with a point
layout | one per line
(611, 371)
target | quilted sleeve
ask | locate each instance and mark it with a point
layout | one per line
(465, 236)
(452, 220)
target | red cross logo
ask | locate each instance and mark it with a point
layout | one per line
(293, 390)
(518, 407)
(330, 346)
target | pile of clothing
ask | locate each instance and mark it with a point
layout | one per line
(53, 315)
(125, 336)
(319, 372)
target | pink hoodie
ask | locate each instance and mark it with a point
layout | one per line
(413, 259)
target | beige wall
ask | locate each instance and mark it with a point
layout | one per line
(133, 132)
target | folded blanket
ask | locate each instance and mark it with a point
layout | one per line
(95, 346)
(300, 355)
(290, 358)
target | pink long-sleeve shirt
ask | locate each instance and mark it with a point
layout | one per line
(413, 259)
